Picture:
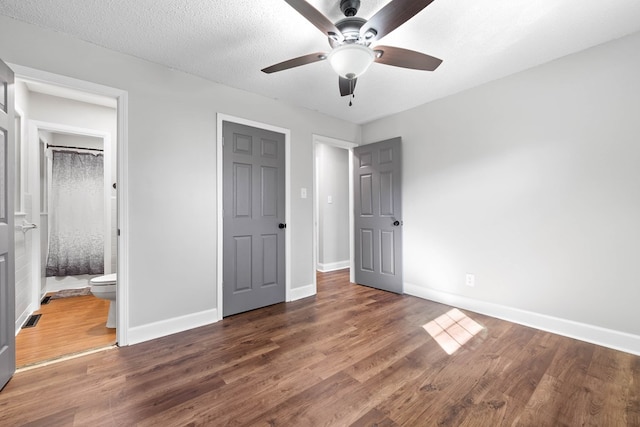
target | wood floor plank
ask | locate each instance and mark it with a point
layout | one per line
(521, 378)
(563, 389)
(398, 347)
(374, 418)
(351, 404)
(633, 398)
(450, 391)
(611, 385)
(66, 326)
(351, 355)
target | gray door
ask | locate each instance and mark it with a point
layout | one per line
(378, 215)
(7, 291)
(253, 219)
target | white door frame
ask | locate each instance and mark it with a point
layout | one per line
(349, 146)
(219, 189)
(121, 97)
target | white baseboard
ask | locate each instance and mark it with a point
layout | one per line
(162, 328)
(302, 292)
(333, 266)
(617, 340)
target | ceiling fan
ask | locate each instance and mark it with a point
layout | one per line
(351, 37)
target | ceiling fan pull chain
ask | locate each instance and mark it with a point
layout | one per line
(353, 95)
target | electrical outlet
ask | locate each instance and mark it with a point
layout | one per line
(471, 280)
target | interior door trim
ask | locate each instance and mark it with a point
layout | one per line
(349, 146)
(219, 194)
(122, 99)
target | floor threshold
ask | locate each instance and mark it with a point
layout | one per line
(64, 358)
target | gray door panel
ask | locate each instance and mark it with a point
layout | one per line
(254, 206)
(378, 215)
(7, 285)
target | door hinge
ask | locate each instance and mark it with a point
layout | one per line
(118, 231)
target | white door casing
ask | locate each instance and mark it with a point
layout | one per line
(121, 97)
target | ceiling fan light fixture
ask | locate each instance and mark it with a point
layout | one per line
(351, 60)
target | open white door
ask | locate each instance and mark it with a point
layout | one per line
(7, 273)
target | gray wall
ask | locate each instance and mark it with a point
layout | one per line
(333, 218)
(532, 183)
(172, 172)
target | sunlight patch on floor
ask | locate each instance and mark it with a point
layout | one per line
(452, 330)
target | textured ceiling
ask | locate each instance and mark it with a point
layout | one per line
(231, 41)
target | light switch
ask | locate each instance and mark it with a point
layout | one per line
(329, 199)
(303, 193)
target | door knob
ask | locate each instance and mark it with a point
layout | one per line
(26, 226)
(281, 225)
(396, 223)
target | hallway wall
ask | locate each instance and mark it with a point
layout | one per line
(333, 207)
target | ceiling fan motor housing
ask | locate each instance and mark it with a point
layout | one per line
(350, 29)
(349, 7)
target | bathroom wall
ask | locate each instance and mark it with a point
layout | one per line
(80, 141)
(333, 207)
(23, 279)
(53, 109)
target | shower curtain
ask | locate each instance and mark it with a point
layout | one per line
(76, 215)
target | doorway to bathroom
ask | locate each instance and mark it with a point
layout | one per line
(66, 219)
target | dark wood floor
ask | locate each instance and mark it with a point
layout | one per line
(67, 326)
(349, 356)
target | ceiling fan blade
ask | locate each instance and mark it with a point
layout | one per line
(296, 62)
(316, 18)
(390, 17)
(346, 86)
(406, 58)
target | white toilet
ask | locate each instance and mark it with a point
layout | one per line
(105, 287)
